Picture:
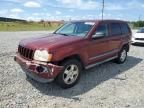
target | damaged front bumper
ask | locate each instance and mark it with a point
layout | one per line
(39, 71)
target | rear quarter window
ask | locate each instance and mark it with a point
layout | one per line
(115, 29)
(125, 29)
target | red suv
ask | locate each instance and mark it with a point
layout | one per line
(77, 45)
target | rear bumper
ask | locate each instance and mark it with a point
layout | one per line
(48, 74)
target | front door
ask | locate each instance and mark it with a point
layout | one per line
(99, 45)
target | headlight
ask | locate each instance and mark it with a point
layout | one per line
(42, 55)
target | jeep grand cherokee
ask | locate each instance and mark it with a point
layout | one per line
(77, 45)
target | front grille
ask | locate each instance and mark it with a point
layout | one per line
(26, 52)
(139, 38)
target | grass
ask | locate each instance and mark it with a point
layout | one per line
(31, 26)
(28, 26)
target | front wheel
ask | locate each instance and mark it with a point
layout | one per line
(122, 56)
(70, 75)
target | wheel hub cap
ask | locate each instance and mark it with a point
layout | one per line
(123, 55)
(70, 74)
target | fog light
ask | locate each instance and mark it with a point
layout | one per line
(42, 69)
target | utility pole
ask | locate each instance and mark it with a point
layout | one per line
(102, 9)
(139, 19)
(6, 23)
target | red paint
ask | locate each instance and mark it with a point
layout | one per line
(66, 46)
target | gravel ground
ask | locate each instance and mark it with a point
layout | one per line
(105, 86)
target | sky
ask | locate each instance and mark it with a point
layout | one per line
(130, 10)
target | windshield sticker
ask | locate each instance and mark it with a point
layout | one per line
(89, 23)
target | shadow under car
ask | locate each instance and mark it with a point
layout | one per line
(89, 79)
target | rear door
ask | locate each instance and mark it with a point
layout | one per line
(115, 36)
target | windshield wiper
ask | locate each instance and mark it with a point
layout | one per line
(62, 34)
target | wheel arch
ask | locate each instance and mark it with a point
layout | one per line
(126, 45)
(74, 56)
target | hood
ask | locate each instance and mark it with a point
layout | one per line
(51, 41)
(139, 35)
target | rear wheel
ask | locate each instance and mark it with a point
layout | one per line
(122, 56)
(70, 75)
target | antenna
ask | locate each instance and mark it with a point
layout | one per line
(102, 8)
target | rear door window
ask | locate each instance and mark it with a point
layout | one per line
(115, 29)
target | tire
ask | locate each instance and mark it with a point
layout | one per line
(70, 75)
(122, 56)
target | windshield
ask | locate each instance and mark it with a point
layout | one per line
(141, 30)
(75, 29)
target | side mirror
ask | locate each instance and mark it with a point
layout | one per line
(98, 35)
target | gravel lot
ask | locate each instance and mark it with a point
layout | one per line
(105, 86)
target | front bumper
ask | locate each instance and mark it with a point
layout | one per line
(30, 68)
(136, 41)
